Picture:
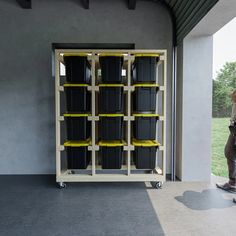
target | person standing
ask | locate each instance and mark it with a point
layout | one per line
(230, 151)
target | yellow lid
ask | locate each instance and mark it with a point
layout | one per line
(111, 55)
(146, 85)
(147, 55)
(145, 143)
(146, 115)
(111, 85)
(75, 85)
(80, 54)
(76, 115)
(82, 143)
(111, 143)
(111, 115)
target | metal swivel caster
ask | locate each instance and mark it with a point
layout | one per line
(61, 185)
(157, 185)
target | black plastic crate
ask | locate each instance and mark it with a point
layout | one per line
(111, 127)
(111, 68)
(78, 157)
(78, 69)
(111, 153)
(77, 127)
(78, 99)
(144, 155)
(144, 127)
(111, 157)
(111, 99)
(144, 69)
(144, 99)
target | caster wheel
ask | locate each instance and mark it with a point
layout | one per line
(61, 185)
(157, 185)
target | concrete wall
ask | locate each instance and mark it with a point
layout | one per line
(27, 132)
(194, 109)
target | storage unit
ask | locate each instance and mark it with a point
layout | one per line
(108, 100)
(77, 126)
(78, 156)
(78, 69)
(144, 68)
(144, 155)
(111, 68)
(111, 153)
(111, 98)
(78, 98)
(111, 126)
(144, 97)
(144, 126)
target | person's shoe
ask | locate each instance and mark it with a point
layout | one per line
(234, 200)
(227, 187)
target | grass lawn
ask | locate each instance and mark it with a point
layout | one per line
(220, 134)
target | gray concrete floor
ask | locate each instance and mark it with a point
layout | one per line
(32, 205)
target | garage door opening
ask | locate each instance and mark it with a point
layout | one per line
(224, 82)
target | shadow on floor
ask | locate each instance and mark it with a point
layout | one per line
(207, 199)
(33, 205)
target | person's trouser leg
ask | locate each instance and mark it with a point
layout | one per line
(230, 154)
(232, 171)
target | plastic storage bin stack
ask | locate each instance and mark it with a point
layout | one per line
(77, 127)
(111, 98)
(78, 156)
(111, 68)
(144, 155)
(78, 106)
(111, 126)
(78, 98)
(78, 69)
(111, 111)
(111, 153)
(144, 97)
(144, 126)
(144, 107)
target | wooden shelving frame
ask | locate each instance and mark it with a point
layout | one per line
(128, 172)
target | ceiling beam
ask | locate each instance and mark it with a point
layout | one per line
(85, 4)
(26, 4)
(131, 4)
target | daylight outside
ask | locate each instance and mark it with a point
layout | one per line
(224, 82)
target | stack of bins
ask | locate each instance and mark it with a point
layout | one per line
(144, 108)
(111, 111)
(78, 106)
(145, 153)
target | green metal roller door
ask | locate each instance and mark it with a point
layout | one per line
(187, 13)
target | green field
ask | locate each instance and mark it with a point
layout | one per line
(220, 134)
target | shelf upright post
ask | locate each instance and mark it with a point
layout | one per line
(164, 112)
(57, 109)
(129, 116)
(93, 114)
